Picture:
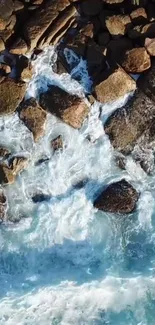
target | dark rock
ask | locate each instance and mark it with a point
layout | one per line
(123, 44)
(103, 38)
(136, 60)
(3, 205)
(125, 126)
(147, 82)
(4, 152)
(118, 197)
(40, 197)
(33, 116)
(57, 143)
(139, 16)
(69, 108)
(121, 162)
(91, 7)
(114, 86)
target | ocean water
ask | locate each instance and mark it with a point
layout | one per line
(63, 262)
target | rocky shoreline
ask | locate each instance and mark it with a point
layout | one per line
(117, 40)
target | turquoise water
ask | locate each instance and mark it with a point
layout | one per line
(64, 262)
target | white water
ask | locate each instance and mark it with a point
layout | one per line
(64, 262)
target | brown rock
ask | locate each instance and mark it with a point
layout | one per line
(116, 85)
(69, 108)
(4, 152)
(17, 164)
(136, 60)
(147, 82)
(127, 124)
(19, 47)
(88, 30)
(121, 162)
(27, 73)
(11, 94)
(118, 197)
(139, 16)
(91, 7)
(142, 32)
(3, 205)
(5, 68)
(33, 117)
(6, 175)
(6, 8)
(2, 45)
(12, 22)
(150, 46)
(118, 25)
(57, 143)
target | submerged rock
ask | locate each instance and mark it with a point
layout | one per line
(147, 82)
(17, 164)
(40, 197)
(33, 116)
(69, 108)
(3, 205)
(118, 197)
(57, 143)
(4, 152)
(6, 175)
(11, 94)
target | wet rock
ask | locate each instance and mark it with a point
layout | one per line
(119, 197)
(88, 30)
(6, 68)
(2, 44)
(123, 44)
(121, 162)
(3, 205)
(12, 22)
(103, 38)
(57, 143)
(19, 47)
(69, 108)
(4, 152)
(40, 197)
(140, 32)
(145, 157)
(150, 46)
(6, 8)
(27, 73)
(118, 25)
(33, 117)
(18, 5)
(147, 82)
(42, 160)
(125, 126)
(11, 94)
(6, 175)
(91, 7)
(113, 1)
(114, 86)
(17, 164)
(136, 60)
(138, 16)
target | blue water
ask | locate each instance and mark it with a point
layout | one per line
(63, 262)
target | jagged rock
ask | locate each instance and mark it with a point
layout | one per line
(42, 19)
(17, 164)
(118, 25)
(11, 94)
(33, 117)
(69, 108)
(136, 60)
(119, 197)
(147, 82)
(91, 7)
(3, 205)
(150, 46)
(114, 86)
(139, 16)
(57, 143)
(6, 175)
(127, 124)
(4, 152)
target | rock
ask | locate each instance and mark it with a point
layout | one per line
(88, 30)
(140, 32)
(123, 44)
(121, 162)
(96, 61)
(57, 143)
(147, 82)
(27, 73)
(114, 86)
(103, 38)
(136, 60)
(17, 164)
(4, 152)
(19, 47)
(33, 117)
(18, 5)
(11, 94)
(150, 46)
(69, 108)
(91, 7)
(127, 124)
(2, 45)
(113, 1)
(119, 197)
(3, 205)
(138, 16)
(12, 22)
(118, 25)
(5, 68)
(6, 8)
(6, 175)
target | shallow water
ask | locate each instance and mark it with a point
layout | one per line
(64, 262)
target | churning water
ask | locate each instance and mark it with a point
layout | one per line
(64, 262)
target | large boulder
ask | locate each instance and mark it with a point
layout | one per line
(136, 60)
(114, 86)
(127, 124)
(11, 94)
(69, 108)
(33, 116)
(118, 197)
